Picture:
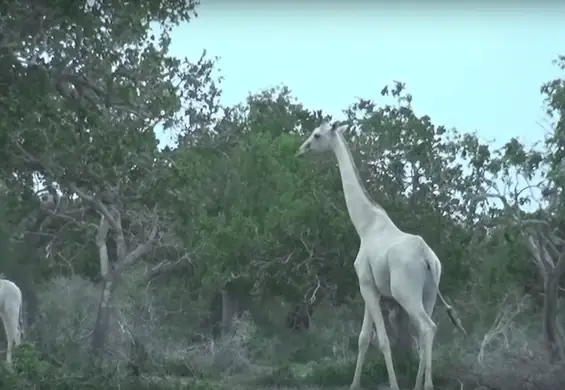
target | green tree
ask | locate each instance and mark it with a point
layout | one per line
(85, 89)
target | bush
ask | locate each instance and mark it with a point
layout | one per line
(504, 349)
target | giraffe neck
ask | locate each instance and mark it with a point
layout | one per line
(362, 210)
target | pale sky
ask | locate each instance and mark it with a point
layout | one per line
(474, 68)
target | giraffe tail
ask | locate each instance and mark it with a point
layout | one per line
(434, 262)
(452, 313)
(21, 329)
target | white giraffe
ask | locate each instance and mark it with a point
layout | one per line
(390, 263)
(10, 313)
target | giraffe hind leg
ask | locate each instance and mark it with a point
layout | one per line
(413, 305)
(372, 301)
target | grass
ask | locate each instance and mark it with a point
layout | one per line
(504, 351)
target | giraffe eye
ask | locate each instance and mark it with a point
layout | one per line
(316, 136)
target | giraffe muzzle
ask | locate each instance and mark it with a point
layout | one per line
(303, 149)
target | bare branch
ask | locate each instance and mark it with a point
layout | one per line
(102, 247)
(70, 216)
(142, 248)
(488, 195)
(534, 222)
(313, 297)
(538, 257)
(168, 266)
(97, 205)
(86, 197)
(506, 315)
(560, 267)
(549, 245)
(119, 236)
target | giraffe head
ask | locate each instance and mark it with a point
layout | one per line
(322, 139)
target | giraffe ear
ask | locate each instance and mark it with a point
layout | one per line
(339, 129)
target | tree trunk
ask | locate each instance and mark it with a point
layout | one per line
(100, 332)
(298, 317)
(229, 310)
(226, 303)
(553, 331)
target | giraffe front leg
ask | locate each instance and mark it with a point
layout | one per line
(362, 345)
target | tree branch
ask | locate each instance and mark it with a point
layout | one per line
(167, 266)
(101, 237)
(538, 257)
(560, 266)
(81, 194)
(97, 205)
(550, 247)
(141, 249)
